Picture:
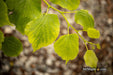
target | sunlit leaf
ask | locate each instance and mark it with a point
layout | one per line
(11, 46)
(93, 33)
(85, 19)
(23, 12)
(90, 58)
(67, 47)
(1, 39)
(4, 20)
(68, 4)
(43, 31)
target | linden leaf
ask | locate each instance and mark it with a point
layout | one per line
(85, 19)
(23, 12)
(43, 31)
(93, 33)
(11, 46)
(1, 39)
(90, 59)
(68, 4)
(67, 47)
(4, 20)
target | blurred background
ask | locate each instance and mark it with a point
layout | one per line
(46, 62)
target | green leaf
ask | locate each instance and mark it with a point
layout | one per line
(93, 33)
(90, 59)
(67, 47)
(11, 46)
(4, 20)
(43, 31)
(85, 19)
(1, 39)
(23, 12)
(98, 46)
(68, 4)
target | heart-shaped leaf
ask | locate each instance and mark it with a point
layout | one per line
(90, 59)
(43, 31)
(67, 47)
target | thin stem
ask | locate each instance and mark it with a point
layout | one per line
(47, 10)
(67, 22)
(86, 45)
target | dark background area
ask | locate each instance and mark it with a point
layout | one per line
(46, 62)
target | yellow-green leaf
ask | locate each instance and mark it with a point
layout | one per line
(1, 39)
(91, 59)
(67, 47)
(68, 4)
(4, 20)
(11, 46)
(93, 33)
(85, 19)
(43, 31)
(23, 12)
(98, 46)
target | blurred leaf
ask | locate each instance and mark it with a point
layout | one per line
(90, 59)
(98, 46)
(68, 4)
(4, 20)
(11, 46)
(93, 47)
(43, 31)
(85, 19)
(93, 33)
(23, 12)
(67, 47)
(1, 39)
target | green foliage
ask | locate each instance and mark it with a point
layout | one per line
(43, 31)
(90, 59)
(85, 19)
(4, 20)
(1, 39)
(11, 46)
(67, 47)
(23, 12)
(68, 4)
(93, 33)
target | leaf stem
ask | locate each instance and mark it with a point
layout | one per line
(47, 10)
(67, 22)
